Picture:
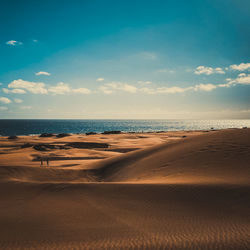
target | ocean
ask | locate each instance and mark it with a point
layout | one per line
(37, 126)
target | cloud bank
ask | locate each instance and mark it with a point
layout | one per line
(32, 87)
(14, 91)
(208, 70)
(21, 87)
(240, 67)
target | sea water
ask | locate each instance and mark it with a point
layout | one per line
(37, 126)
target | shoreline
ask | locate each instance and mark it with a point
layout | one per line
(125, 132)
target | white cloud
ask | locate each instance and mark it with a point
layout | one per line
(32, 87)
(171, 90)
(219, 71)
(14, 91)
(242, 79)
(208, 70)
(3, 108)
(150, 91)
(6, 91)
(63, 88)
(60, 89)
(13, 43)
(144, 82)
(20, 87)
(44, 73)
(165, 90)
(225, 85)
(35, 40)
(203, 70)
(100, 79)
(16, 100)
(18, 91)
(81, 91)
(5, 100)
(205, 87)
(113, 86)
(106, 90)
(128, 88)
(240, 67)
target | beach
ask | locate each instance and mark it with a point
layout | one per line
(155, 190)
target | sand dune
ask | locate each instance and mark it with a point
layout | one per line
(221, 156)
(171, 192)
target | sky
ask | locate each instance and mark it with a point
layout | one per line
(126, 59)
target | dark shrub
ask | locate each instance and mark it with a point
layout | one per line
(27, 145)
(63, 135)
(111, 132)
(91, 133)
(12, 137)
(87, 145)
(46, 135)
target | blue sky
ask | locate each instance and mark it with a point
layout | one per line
(125, 59)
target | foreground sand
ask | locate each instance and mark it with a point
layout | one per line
(174, 190)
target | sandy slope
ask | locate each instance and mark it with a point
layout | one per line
(218, 157)
(170, 193)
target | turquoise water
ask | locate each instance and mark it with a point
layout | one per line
(25, 127)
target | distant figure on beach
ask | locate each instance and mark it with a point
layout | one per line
(41, 162)
(47, 162)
